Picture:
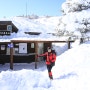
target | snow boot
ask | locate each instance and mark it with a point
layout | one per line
(50, 75)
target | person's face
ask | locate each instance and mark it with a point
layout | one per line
(49, 50)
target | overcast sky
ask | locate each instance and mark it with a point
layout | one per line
(9, 8)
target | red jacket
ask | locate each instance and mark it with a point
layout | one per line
(50, 57)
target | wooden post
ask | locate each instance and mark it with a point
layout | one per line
(11, 57)
(36, 51)
(68, 44)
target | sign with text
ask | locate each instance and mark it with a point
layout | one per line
(10, 45)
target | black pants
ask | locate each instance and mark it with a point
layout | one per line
(49, 67)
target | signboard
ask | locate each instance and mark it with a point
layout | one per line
(10, 45)
(22, 47)
(32, 45)
(2, 47)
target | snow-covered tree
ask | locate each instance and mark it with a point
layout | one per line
(75, 20)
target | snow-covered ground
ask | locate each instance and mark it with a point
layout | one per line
(71, 72)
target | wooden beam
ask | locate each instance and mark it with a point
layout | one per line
(4, 42)
(32, 41)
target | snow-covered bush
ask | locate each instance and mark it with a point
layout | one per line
(75, 20)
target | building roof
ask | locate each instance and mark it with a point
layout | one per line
(36, 29)
(3, 26)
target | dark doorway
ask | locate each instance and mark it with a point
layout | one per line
(31, 47)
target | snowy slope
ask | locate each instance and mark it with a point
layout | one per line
(43, 24)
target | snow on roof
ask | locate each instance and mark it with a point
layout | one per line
(43, 25)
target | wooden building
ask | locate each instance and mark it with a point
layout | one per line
(7, 27)
(22, 51)
(30, 49)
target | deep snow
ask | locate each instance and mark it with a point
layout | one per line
(71, 72)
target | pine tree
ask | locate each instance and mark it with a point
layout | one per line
(75, 20)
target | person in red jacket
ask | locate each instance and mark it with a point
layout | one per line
(50, 60)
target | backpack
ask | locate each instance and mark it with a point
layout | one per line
(54, 52)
